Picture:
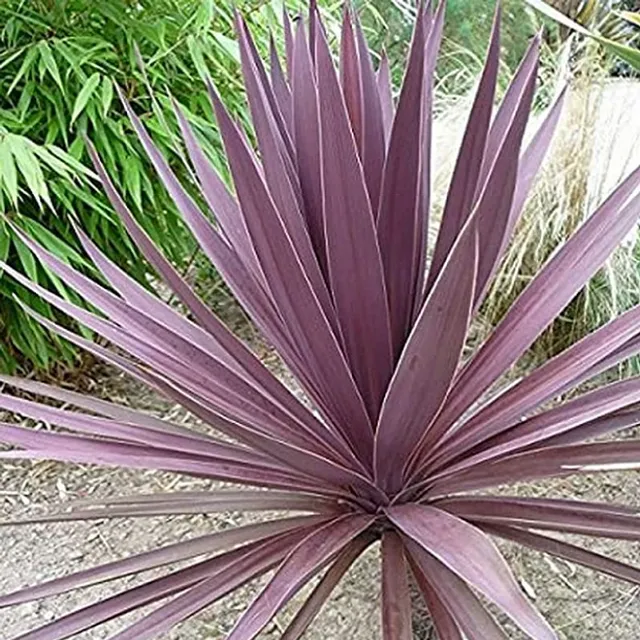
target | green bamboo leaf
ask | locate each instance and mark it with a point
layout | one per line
(66, 51)
(93, 114)
(52, 162)
(9, 120)
(54, 243)
(195, 51)
(25, 98)
(7, 362)
(30, 169)
(84, 96)
(8, 172)
(96, 206)
(132, 170)
(28, 62)
(50, 63)
(27, 260)
(63, 197)
(107, 95)
(52, 126)
(56, 101)
(76, 150)
(57, 283)
(147, 188)
(10, 58)
(104, 145)
(228, 45)
(33, 334)
(5, 242)
(19, 335)
(68, 159)
(204, 16)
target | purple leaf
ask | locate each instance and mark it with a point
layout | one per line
(355, 267)
(471, 555)
(351, 80)
(547, 381)
(323, 239)
(373, 140)
(237, 566)
(229, 349)
(306, 121)
(509, 106)
(244, 285)
(533, 156)
(568, 552)
(396, 598)
(466, 175)
(294, 295)
(494, 203)
(265, 88)
(462, 608)
(183, 504)
(444, 623)
(424, 196)
(386, 96)
(300, 565)
(549, 292)
(288, 41)
(562, 419)
(169, 554)
(415, 395)
(282, 188)
(49, 446)
(314, 19)
(218, 391)
(400, 216)
(205, 593)
(569, 516)
(553, 459)
(199, 406)
(314, 603)
(130, 433)
(101, 407)
(189, 401)
(219, 200)
(280, 85)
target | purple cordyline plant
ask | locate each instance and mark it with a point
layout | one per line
(324, 245)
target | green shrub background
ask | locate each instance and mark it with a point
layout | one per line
(59, 61)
